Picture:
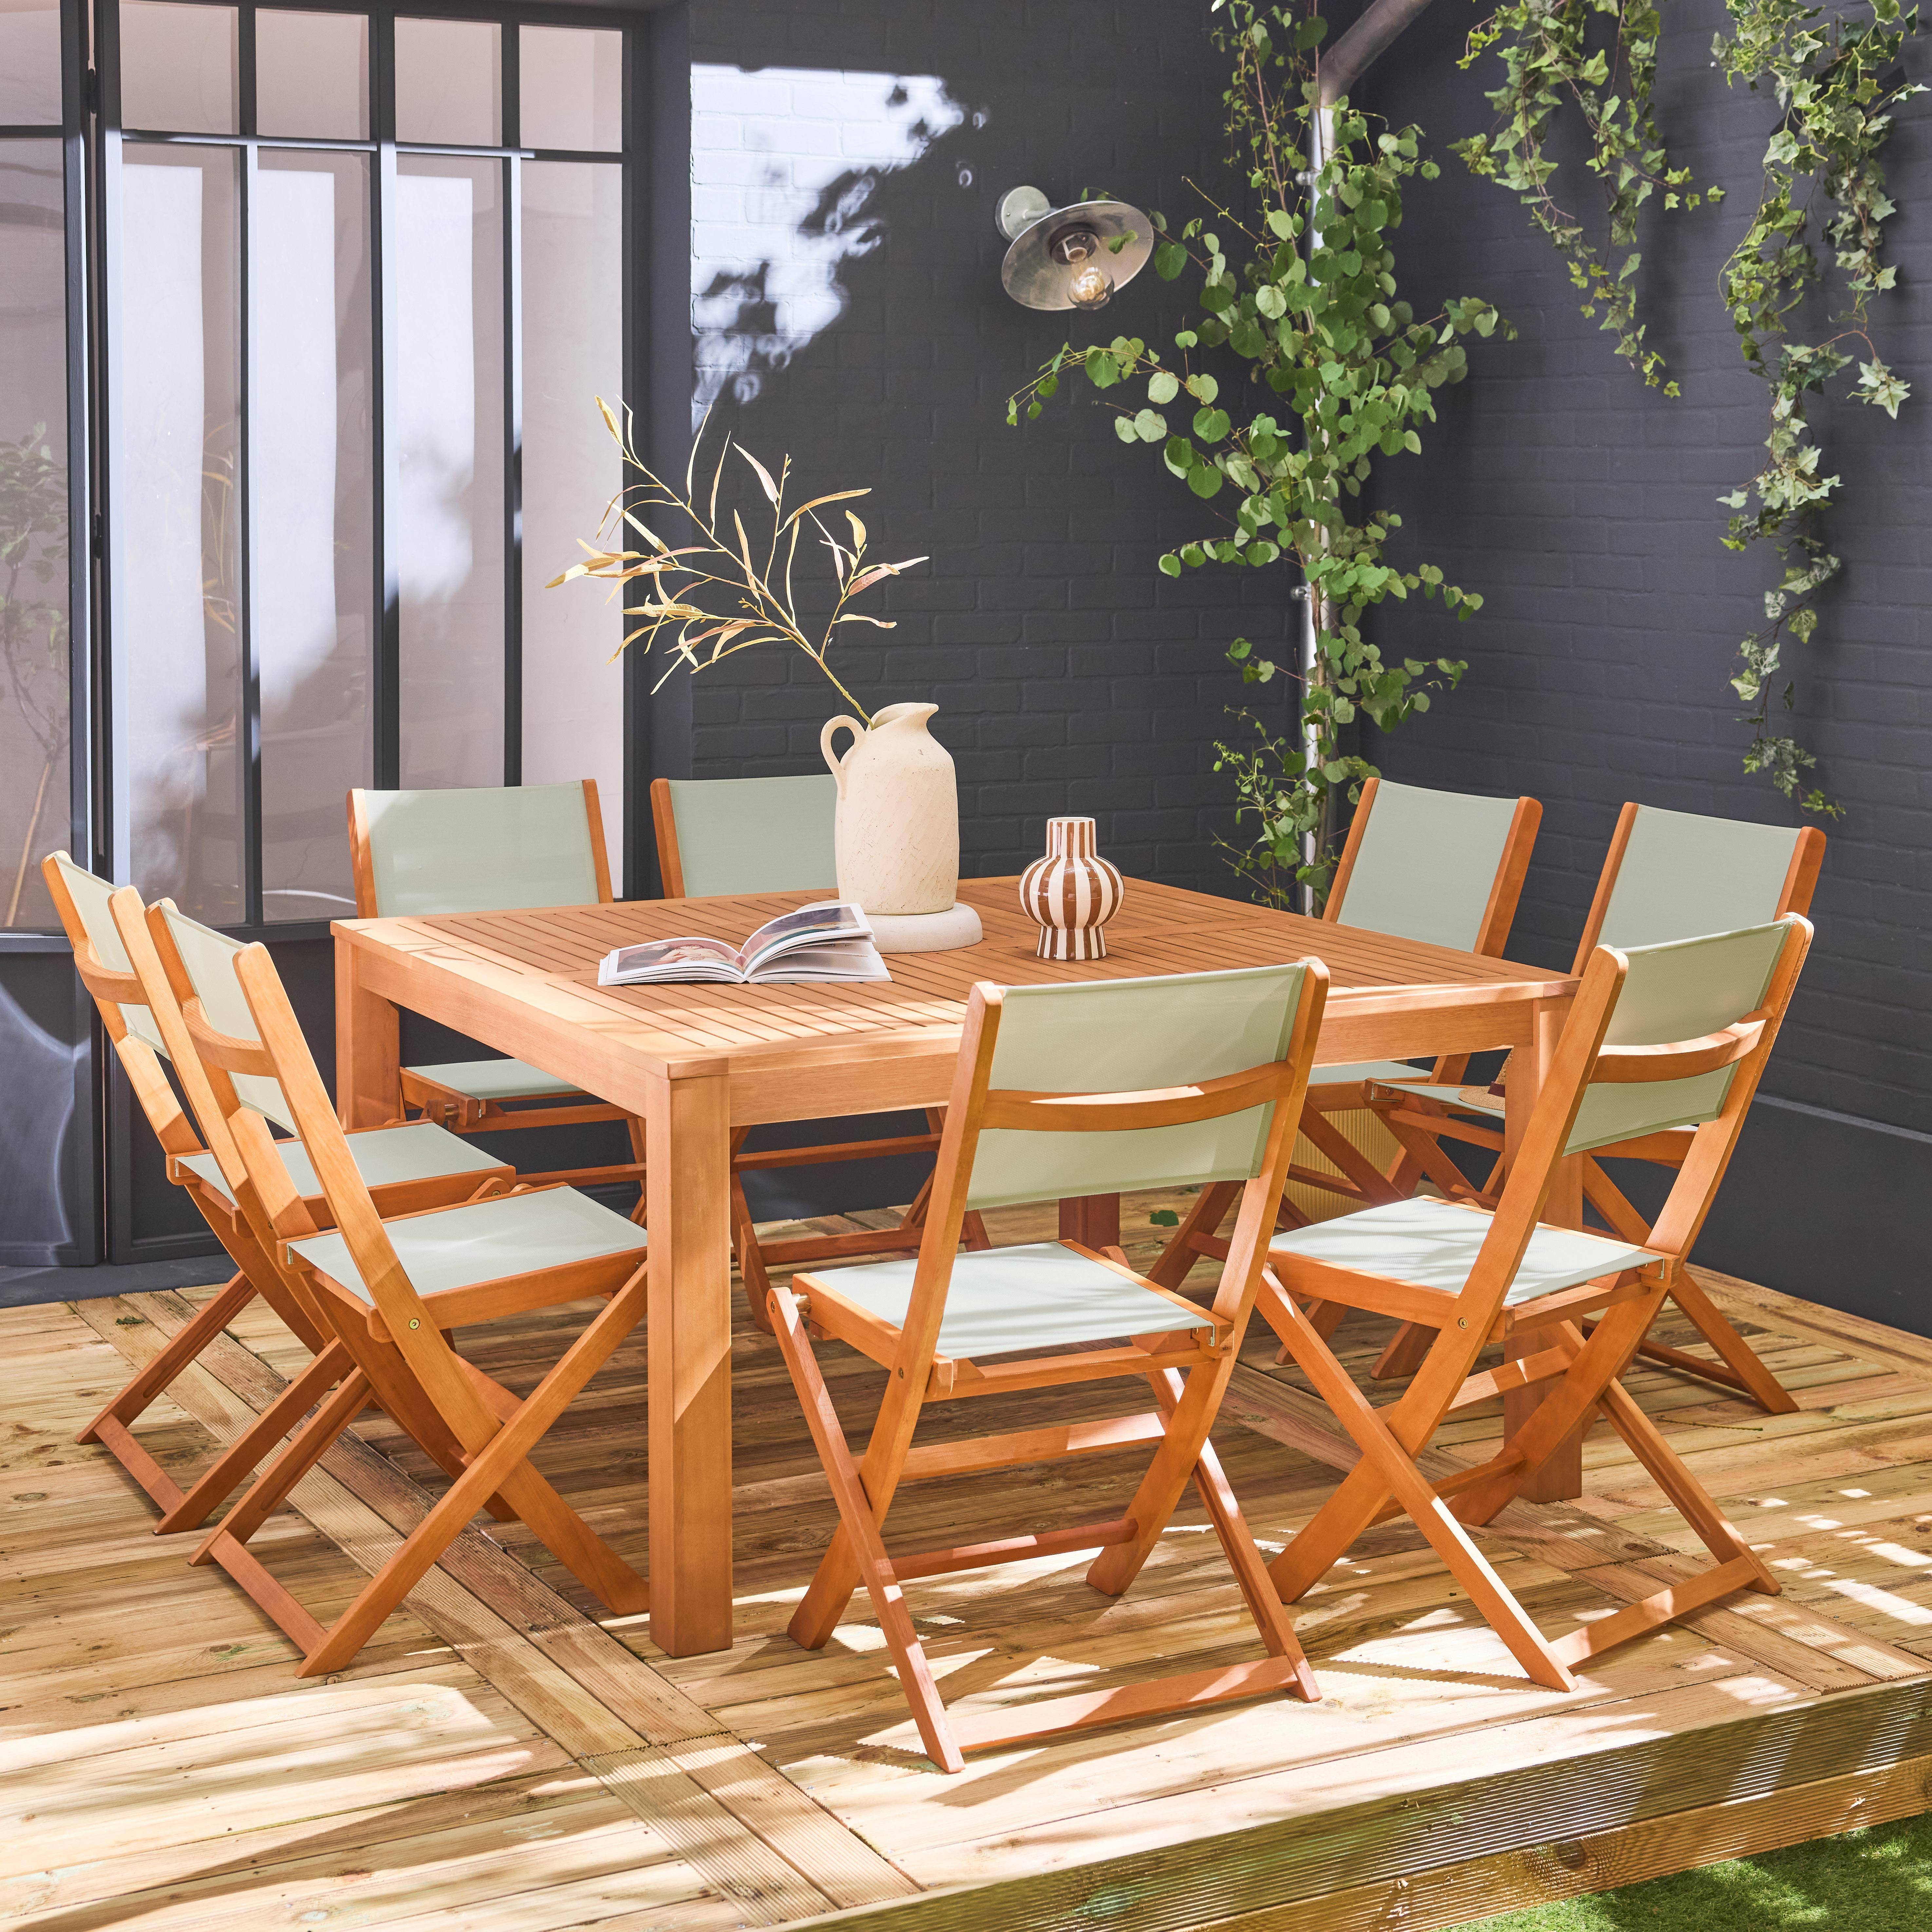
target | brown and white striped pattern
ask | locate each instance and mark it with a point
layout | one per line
(1071, 893)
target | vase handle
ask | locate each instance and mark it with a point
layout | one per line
(837, 765)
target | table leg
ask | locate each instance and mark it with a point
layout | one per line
(1561, 1476)
(687, 1124)
(1093, 1220)
(368, 1051)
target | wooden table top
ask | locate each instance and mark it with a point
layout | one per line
(545, 962)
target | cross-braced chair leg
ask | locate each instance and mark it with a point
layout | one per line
(859, 1557)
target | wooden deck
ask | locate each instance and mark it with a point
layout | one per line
(500, 1761)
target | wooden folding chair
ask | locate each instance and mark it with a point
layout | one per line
(1066, 1091)
(1659, 1037)
(1668, 875)
(391, 1293)
(490, 849)
(408, 1167)
(728, 838)
(1444, 867)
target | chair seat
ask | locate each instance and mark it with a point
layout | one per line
(1431, 1244)
(1002, 1301)
(485, 1240)
(1356, 1072)
(384, 1156)
(497, 1080)
(1466, 1100)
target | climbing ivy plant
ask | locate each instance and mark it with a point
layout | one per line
(1836, 82)
(1599, 56)
(1323, 369)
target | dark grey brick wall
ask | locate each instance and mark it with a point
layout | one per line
(1584, 507)
(1071, 677)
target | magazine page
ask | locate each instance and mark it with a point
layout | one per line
(811, 926)
(691, 958)
(852, 959)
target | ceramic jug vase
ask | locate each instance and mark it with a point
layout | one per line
(897, 824)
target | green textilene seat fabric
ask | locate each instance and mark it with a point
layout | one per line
(1004, 1300)
(1356, 1072)
(486, 1240)
(739, 835)
(480, 849)
(1426, 864)
(1682, 991)
(90, 896)
(1431, 1244)
(384, 1155)
(499, 1080)
(483, 849)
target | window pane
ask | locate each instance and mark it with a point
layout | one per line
(177, 672)
(177, 68)
(310, 472)
(30, 62)
(312, 74)
(449, 82)
(571, 88)
(573, 353)
(34, 709)
(448, 418)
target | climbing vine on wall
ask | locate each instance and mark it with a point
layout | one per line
(1599, 56)
(1298, 300)
(1836, 82)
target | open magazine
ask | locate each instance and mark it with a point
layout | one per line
(830, 940)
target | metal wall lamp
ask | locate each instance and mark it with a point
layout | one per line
(1072, 257)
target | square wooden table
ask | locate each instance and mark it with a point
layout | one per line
(696, 1062)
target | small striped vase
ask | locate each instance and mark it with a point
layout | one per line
(1071, 893)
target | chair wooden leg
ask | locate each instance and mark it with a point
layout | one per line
(855, 1514)
(1209, 1210)
(1388, 1465)
(248, 1448)
(757, 1284)
(635, 1128)
(111, 1428)
(270, 1490)
(1407, 1350)
(499, 1465)
(1748, 1374)
(1238, 1544)
(1322, 1134)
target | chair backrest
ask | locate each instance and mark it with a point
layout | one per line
(717, 837)
(199, 963)
(1657, 1037)
(1674, 874)
(1444, 866)
(1687, 989)
(275, 1044)
(1132, 1036)
(481, 849)
(81, 900)
(1101, 1086)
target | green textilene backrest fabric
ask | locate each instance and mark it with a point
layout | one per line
(1683, 874)
(91, 895)
(1124, 1036)
(487, 849)
(1678, 992)
(755, 835)
(209, 959)
(1426, 864)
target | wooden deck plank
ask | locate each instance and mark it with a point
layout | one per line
(767, 1785)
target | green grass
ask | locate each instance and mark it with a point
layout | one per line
(1879, 1879)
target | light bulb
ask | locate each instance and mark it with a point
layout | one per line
(1089, 286)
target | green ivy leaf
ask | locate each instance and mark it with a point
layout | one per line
(1169, 259)
(1163, 385)
(1102, 371)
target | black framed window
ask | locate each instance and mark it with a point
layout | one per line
(362, 278)
(43, 574)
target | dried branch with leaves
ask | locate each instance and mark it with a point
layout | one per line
(714, 598)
